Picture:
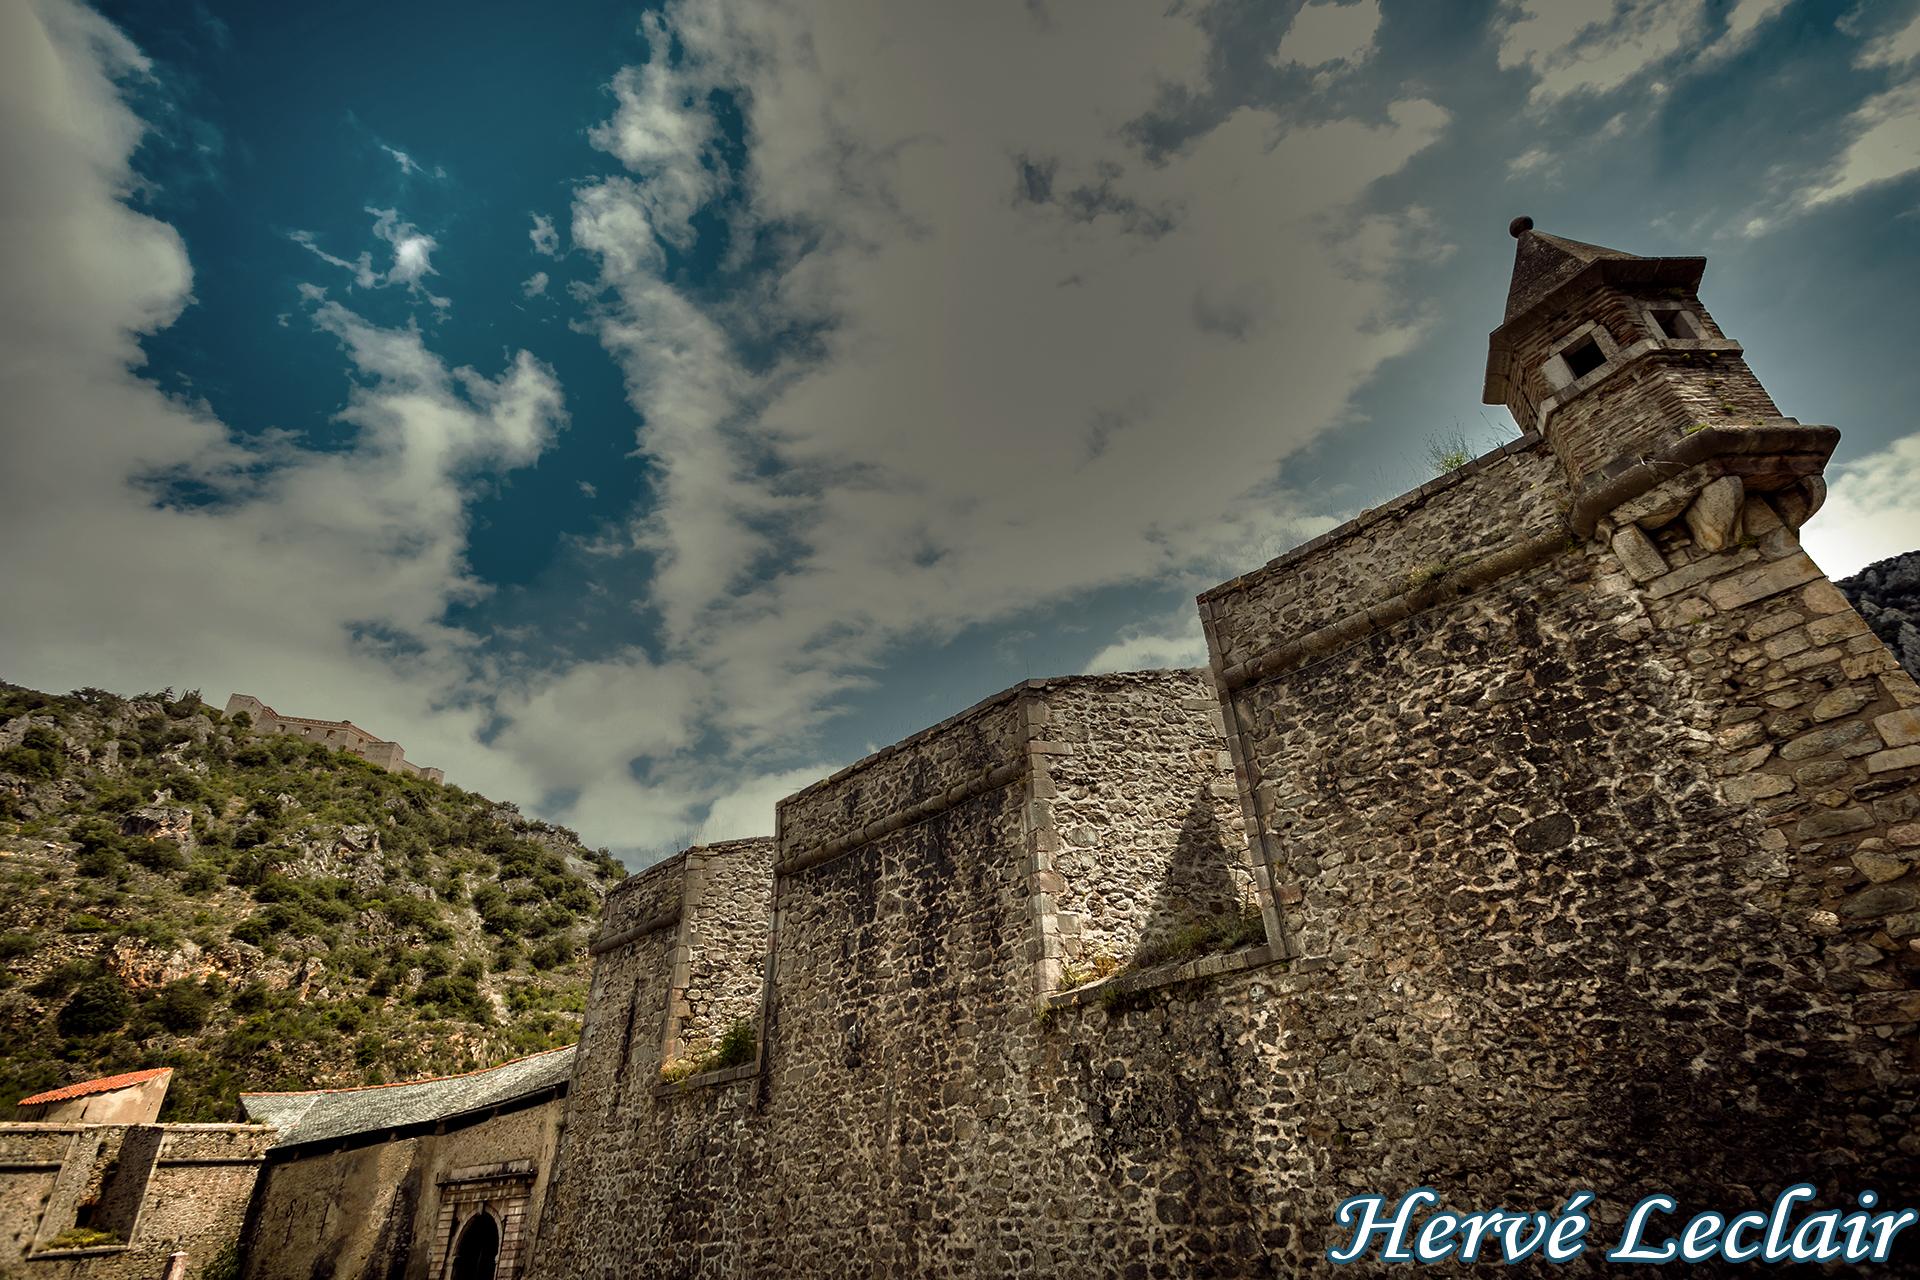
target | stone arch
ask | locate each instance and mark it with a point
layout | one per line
(476, 1253)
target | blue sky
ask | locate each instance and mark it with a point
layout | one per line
(640, 411)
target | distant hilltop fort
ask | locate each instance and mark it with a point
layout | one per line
(344, 734)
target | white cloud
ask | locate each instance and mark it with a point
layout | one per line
(534, 285)
(1870, 512)
(1744, 21)
(318, 580)
(1170, 642)
(1885, 145)
(660, 131)
(1328, 32)
(410, 166)
(968, 439)
(747, 810)
(1894, 48)
(1576, 46)
(942, 465)
(364, 276)
(411, 248)
(546, 240)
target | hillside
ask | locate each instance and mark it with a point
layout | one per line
(263, 912)
(1887, 594)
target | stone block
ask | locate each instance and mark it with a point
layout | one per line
(1638, 555)
(1828, 823)
(1823, 597)
(1714, 516)
(1880, 867)
(1847, 739)
(1785, 644)
(1756, 786)
(1838, 702)
(1836, 626)
(1702, 571)
(1898, 758)
(1758, 583)
(1898, 728)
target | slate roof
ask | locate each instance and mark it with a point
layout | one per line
(1543, 263)
(326, 1115)
(105, 1084)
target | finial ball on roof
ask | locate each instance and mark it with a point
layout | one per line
(1519, 225)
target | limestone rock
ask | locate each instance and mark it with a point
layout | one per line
(1642, 560)
(1714, 517)
(159, 821)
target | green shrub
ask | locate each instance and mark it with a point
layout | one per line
(98, 1006)
(254, 930)
(29, 762)
(182, 1006)
(15, 944)
(158, 855)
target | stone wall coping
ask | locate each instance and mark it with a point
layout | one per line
(1775, 436)
(63, 1126)
(887, 824)
(1168, 975)
(645, 874)
(93, 1251)
(652, 924)
(980, 708)
(1373, 515)
(1446, 585)
(634, 880)
(708, 1079)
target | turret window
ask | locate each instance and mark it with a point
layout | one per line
(1583, 357)
(1673, 321)
(1584, 351)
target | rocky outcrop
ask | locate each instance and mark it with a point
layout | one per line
(1887, 594)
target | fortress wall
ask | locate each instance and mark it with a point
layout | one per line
(1390, 549)
(355, 1208)
(163, 1188)
(1558, 944)
(729, 905)
(914, 1110)
(1535, 937)
(1143, 803)
(604, 1164)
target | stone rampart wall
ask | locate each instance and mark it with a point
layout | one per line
(163, 1189)
(1578, 876)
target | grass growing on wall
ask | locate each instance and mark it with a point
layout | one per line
(1225, 932)
(736, 1049)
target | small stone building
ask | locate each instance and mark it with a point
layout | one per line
(426, 1180)
(343, 735)
(132, 1098)
(91, 1187)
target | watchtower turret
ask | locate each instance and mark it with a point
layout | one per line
(1613, 359)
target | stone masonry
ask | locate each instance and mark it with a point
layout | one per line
(1578, 811)
(103, 1192)
(343, 735)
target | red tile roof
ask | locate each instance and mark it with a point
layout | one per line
(105, 1084)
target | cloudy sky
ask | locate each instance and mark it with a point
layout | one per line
(639, 412)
